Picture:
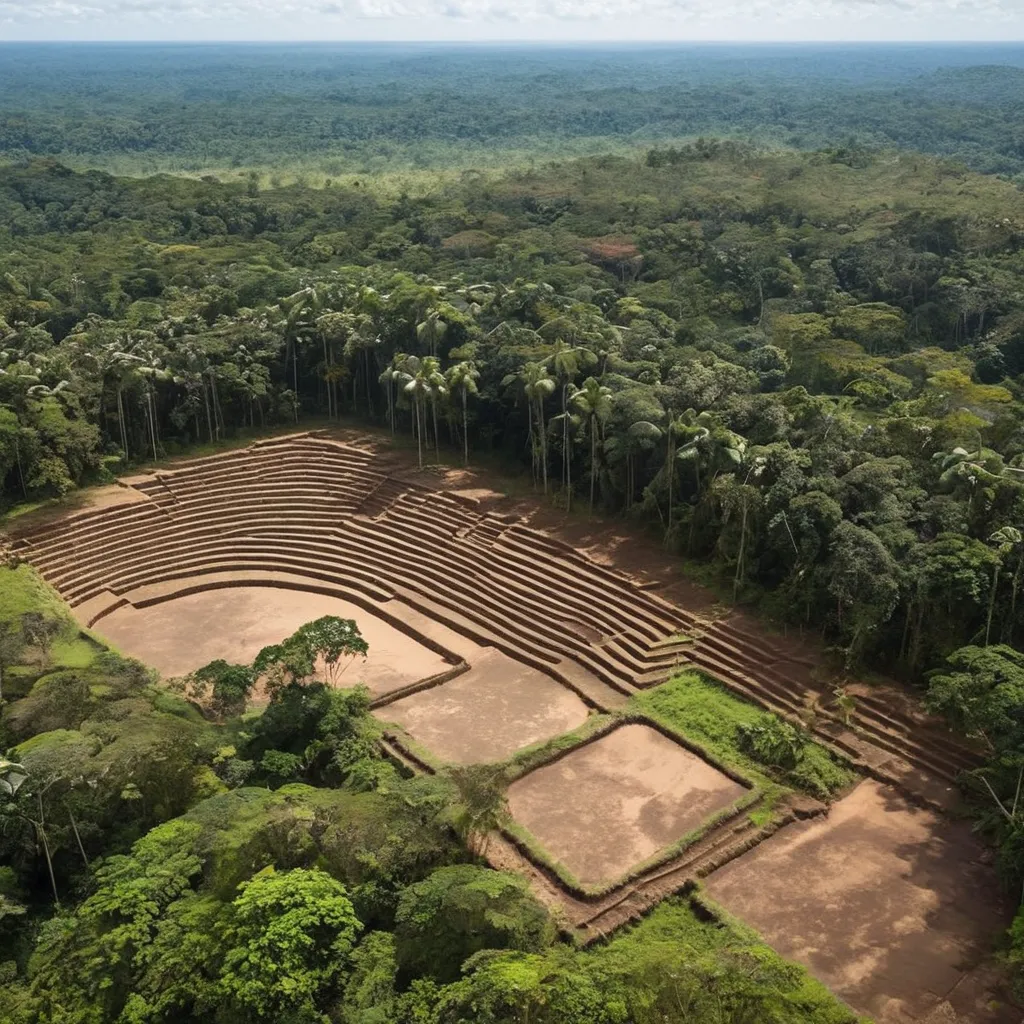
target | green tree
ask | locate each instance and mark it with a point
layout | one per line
(462, 378)
(287, 937)
(459, 910)
(594, 402)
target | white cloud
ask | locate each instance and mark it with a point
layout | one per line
(489, 19)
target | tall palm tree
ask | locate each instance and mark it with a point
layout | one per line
(537, 386)
(642, 436)
(431, 331)
(301, 310)
(417, 387)
(462, 378)
(437, 391)
(594, 402)
(566, 361)
(1005, 540)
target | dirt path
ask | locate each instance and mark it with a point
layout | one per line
(890, 906)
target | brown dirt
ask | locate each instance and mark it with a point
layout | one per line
(889, 905)
(614, 803)
(489, 712)
(185, 633)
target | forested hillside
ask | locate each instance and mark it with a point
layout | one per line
(335, 109)
(804, 370)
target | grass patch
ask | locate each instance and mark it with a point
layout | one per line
(708, 714)
(23, 591)
(692, 928)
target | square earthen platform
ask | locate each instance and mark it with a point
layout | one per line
(611, 804)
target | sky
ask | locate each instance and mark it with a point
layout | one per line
(513, 20)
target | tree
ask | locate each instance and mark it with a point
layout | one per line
(537, 386)
(1005, 540)
(419, 388)
(330, 640)
(459, 910)
(594, 402)
(566, 361)
(863, 580)
(981, 692)
(288, 937)
(462, 378)
(227, 686)
(482, 804)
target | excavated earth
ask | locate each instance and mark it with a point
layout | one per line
(495, 623)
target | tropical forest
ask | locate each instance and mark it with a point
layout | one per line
(499, 537)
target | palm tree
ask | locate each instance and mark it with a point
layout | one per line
(1005, 540)
(462, 378)
(482, 805)
(594, 401)
(437, 390)
(431, 331)
(301, 310)
(119, 360)
(537, 386)
(674, 427)
(642, 435)
(566, 361)
(417, 387)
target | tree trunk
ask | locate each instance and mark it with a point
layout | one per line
(543, 445)
(78, 838)
(206, 402)
(419, 429)
(295, 378)
(152, 420)
(120, 419)
(593, 461)
(742, 552)
(41, 830)
(465, 428)
(991, 603)
(437, 439)
(327, 379)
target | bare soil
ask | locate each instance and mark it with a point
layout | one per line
(890, 906)
(489, 712)
(615, 802)
(178, 636)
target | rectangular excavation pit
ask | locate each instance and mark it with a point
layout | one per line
(489, 712)
(610, 805)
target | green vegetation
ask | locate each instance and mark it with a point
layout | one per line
(742, 736)
(801, 368)
(165, 865)
(313, 113)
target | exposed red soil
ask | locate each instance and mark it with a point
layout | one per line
(487, 713)
(600, 610)
(610, 805)
(890, 905)
(178, 636)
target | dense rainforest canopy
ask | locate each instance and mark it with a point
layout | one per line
(337, 108)
(803, 370)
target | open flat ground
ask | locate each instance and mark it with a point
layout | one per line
(178, 636)
(612, 804)
(487, 713)
(889, 905)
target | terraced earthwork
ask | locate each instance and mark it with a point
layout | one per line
(488, 637)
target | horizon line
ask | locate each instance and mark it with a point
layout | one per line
(608, 43)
